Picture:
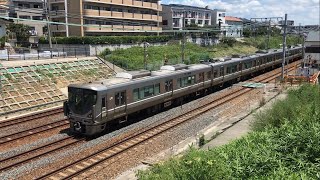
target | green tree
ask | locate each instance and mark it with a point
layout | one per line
(22, 32)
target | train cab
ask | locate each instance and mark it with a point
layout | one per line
(81, 108)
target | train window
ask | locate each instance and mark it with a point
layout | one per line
(209, 75)
(228, 70)
(186, 81)
(157, 89)
(136, 95)
(201, 77)
(148, 91)
(120, 98)
(222, 71)
(254, 63)
(169, 85)
(215, 74)
(231, 69)
(247, 65)
(103, 102)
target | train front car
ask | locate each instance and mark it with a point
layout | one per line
(82, 109)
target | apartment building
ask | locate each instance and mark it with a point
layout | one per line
(177, 16)
(29, 10)
(4, 7)
(104, 17)
(218, 17)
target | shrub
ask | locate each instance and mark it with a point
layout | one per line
(229, 41)
(106, 39)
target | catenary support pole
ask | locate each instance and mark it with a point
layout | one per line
(48, 20)
(66, 17)
(284, 46)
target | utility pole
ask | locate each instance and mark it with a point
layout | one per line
(269, 31)
(284, 44)
(183, 48)
(48, 22)
(66, 17)
(145, 45)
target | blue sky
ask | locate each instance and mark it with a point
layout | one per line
(301, 11)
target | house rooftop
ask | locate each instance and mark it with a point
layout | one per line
(186, 6)
(231, 18)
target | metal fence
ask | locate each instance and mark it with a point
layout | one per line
(10, 54)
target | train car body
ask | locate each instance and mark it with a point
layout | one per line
(93, 106)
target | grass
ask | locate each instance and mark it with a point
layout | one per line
(284, 144)
(133, 58)
(274, 42)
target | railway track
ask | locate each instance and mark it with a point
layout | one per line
(24, 119)
(102, 156)
(35, 153)
(32, 131)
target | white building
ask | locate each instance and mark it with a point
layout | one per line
(234, 27)
(177, 17)
(218, 17)
(312, 51)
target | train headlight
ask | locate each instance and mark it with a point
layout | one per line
(90, 115)
(77, 126)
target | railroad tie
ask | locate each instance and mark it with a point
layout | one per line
(62, 174)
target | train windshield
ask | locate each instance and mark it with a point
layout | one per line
(81, 100)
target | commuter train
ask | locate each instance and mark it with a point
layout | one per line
(96, 106)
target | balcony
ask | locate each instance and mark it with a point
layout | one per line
(119, 28)
(58, 28)
(56, 1)
(130, 3)
(122, 15)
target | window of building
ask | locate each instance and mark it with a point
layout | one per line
(37, 17)
(54, 8)
(200, 21)
(24, 17)
(36, 6)
(106, 8)
(165, 22)
(312, 49)
(117, 9)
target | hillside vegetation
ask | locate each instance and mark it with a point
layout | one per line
(284, 144)
(133, 58)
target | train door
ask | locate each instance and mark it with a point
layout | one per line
(222, 73)
(240, 67)
(120, 103)
(104, 110)
(201, 78)
(169, 86)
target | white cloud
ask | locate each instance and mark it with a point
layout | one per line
(301, 11)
